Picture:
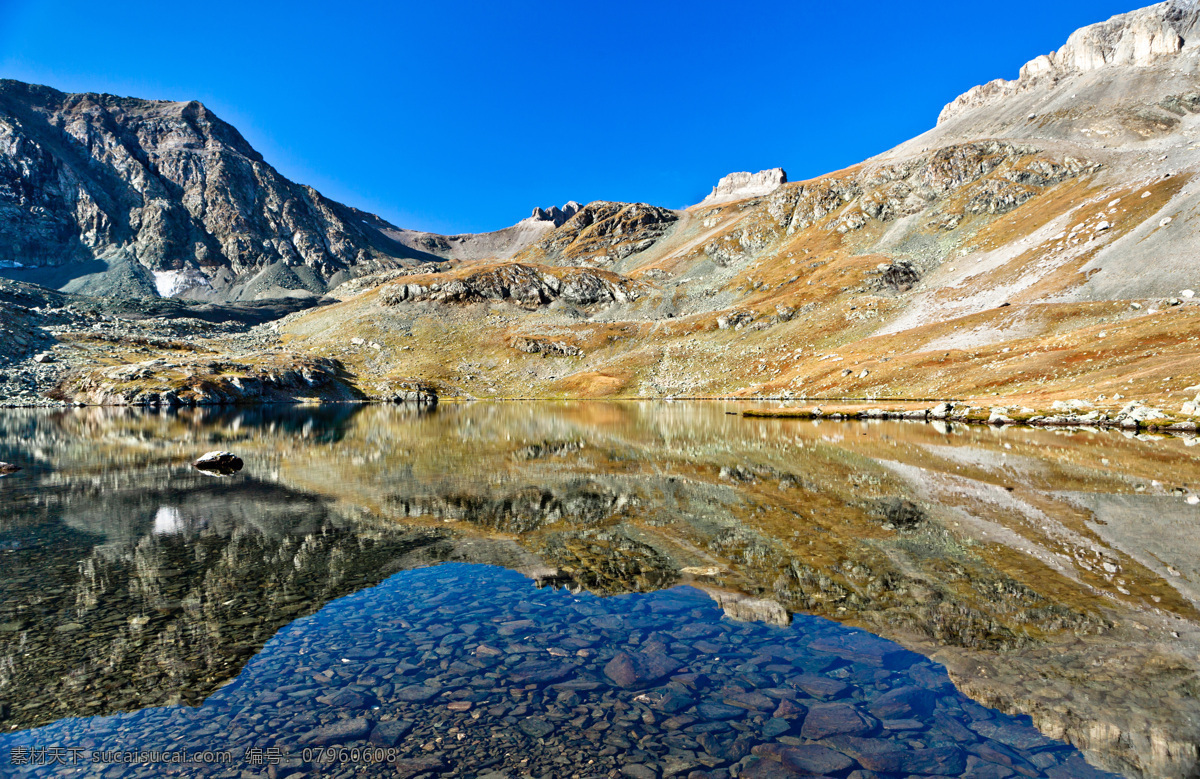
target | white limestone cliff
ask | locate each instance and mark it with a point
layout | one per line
(738, 186)
(1136, 39)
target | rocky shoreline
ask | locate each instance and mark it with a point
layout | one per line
(1133, 416)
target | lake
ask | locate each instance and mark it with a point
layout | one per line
(592, 589)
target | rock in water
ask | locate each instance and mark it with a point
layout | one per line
(640, 669)
(9, 468)
(338, 732)
(219, 462)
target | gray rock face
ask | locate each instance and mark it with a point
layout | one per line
(742, 185)
(555, 214)
(89, 180)
(1135, 39)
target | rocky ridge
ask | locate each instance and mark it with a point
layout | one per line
(998, 261)
(738, 186)
(523, 284)
(602, 233)
(498, 244)
(1136, 39)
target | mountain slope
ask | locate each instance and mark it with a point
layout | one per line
(110, 195)
(1037, 245)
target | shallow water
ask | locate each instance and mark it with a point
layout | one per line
(469, 668)
(1051, 572)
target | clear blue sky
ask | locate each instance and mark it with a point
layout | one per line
(463, 116)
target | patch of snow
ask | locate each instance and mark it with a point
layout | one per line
(171, 283)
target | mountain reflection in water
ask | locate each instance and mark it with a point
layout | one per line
(1050, 571)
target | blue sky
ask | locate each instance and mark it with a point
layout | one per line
(463, 116)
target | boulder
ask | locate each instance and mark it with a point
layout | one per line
(891, 757)
(9, 468)
(416, 766)
(388, 734)
(836, 719)
(338, 732)
(640, 669)
(814, 760)
(901, 703)
(219, 462)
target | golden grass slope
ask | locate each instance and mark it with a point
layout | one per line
(797, 294)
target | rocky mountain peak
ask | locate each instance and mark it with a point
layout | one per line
(1140, 38)
(100, 191)
(555, 214)
(741, 185)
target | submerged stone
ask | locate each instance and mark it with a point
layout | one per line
(640, 669)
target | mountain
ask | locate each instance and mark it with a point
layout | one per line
(1029, 247)
(165, 195)
(1037, 246)
(109, 195)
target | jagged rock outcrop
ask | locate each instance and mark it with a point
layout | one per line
(898, 276)
(743, 608)
(164, 188)
(522, 284)
(411, 391)
(556, 215)
(609, 561)
(742, 185)
(1136, 39)
(546, 346)
(602, 233)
